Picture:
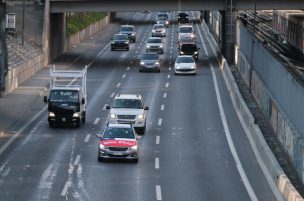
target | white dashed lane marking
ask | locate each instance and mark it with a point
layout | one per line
(104, 107)
(165, 95)
(162, 107)
(65, 188)
(160, 121)
(128, 68)
(169, 76)
(157, 139)
(118, 85)
(77, 160)
(96, 120)
(156, 163)
(167, 84)
(124, 75)
(158, 193)
(112, 95)
(87, 138)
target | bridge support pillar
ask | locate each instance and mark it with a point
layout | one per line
(229, 30)
(3, 52)
(112, 16)
(58, 34)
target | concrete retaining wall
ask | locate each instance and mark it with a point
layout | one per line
(22, 72)
(93, 28)
(279, 182)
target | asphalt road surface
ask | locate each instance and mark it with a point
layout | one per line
(184, 154)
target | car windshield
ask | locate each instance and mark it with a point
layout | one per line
(150, 57)
(189, 47)
(112, 133)
(127, 103)
(120, 37)
(154, 40)
(64, 95)
(126, 29)
(158, 26)
(184, 60)
(162, 16)
(185, 30)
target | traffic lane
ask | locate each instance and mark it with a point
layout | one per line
(194, 154)
(38, 160)
(242, 145)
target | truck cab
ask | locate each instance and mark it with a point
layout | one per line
(66, 102)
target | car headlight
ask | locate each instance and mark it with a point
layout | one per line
(192, 35)
(101, 146)
(112, 42)
(127, 42)
(193, 67)
(158, 22)
(142, 63)
(181, 52)
(196, 52)
(76, 114)
(51, 114)
(157, 63)
(134, 148)
(167, 22)
(148, 46)
(133, 34)
(177, 67)
(141, 116)
(113, 116)
(161, 46)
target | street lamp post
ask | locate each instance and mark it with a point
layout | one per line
(23, 10)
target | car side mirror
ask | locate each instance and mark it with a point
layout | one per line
(146, 108)
(198, 48)
(99, 136)
(45, 99)
(108, 107)
(82, 101)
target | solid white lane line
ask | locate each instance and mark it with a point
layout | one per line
(124, 75)
(167, 84)
(112, 95)
(162, 107)
(160, 121)
(104, 107)
(96, 121)
(158, 193)
(156, 163)
(157, 139)
(77, 160)
(65, 188)
(165, 95)
(118, 85)
(234, 153)
(87, 138)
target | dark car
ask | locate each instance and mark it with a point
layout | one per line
(189, 49)
(118, 141)
(183, 17)
(120, 41)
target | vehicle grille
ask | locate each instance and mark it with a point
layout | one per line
(126, 121)
(126, 116)
(185, 70)
(118, 148)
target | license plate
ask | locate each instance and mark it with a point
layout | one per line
(117, 153)
(63, 119)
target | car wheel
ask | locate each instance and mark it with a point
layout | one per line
(83, 117)
(52, 124)
(135, 160)
(158, 70)
(99, 159)
(112, 49)
(78, 122)
(127, 49)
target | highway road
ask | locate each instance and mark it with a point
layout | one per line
(194, 149)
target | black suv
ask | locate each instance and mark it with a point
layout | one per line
(189, 49)
(120, 41)
(183, 17)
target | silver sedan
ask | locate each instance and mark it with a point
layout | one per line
(185, 64)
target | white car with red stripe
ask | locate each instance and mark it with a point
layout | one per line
(118, 141)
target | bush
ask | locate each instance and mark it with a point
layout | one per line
(78, 21)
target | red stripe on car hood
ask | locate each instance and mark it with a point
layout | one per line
(118, 143)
